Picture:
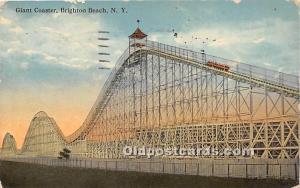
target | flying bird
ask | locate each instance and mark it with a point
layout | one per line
(103, 68)
(103, 31)
(103, 61)
(103, 38)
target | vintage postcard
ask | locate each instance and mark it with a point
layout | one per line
(201, 93)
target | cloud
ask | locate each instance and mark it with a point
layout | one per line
(57, 42)
(236, 1)
(268, 64)
(296, 2)
(75, 1)
(2, 3)
(24, 65)
(29, 52)
(212, 37)
(55, 31)
(49, 57)
(16, 29)
(4, 21)
(255, 42)
(259, 40)
(153, 37)
(57, 15)
(11, 50)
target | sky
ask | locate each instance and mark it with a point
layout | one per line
(48, 62)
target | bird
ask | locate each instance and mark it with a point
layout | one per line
(103, 68)
(175, 35)
(103, 31)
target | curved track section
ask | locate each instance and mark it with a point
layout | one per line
(9, 146)
(43, 138)
(100, 102)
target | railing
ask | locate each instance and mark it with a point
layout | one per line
(252, 71)
(234, 168)
(270, 76)
(100, 99)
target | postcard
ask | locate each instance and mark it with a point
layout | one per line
(201, 93)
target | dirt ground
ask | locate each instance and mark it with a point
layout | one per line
(13, 174)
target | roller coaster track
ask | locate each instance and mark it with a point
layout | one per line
(275, 87)
(272, 81)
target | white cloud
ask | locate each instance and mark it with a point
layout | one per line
(11, 50)
(212, 37)
(75, 1)
(24, 65)
(236, 1)
(49, 57)
(248, 42)
(29, 52)
(55, 31)
(296, 2)
(228, 37)
(153, 37)
(2, 3)
(57, 15)
(74, 59)
(5, 21)
(268, 64)
(259, 40)
(16, 29)
(58, 42)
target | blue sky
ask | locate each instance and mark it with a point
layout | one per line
(50, 60)
(37, 48)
